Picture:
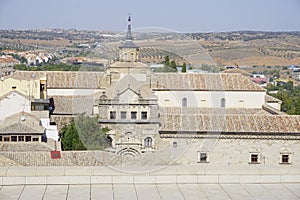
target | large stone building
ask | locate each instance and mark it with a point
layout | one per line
(191, 119)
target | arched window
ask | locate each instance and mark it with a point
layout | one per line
(223, 102)
(184, 102)
(148, 142)
(109, 140)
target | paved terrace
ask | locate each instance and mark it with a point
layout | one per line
(172, 182)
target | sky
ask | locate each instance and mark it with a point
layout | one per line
(181, 16)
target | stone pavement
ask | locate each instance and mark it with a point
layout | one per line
(169, 182)
(151, 191)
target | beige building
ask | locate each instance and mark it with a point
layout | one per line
(23, 99)
(219, 119)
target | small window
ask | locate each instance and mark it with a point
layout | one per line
(144, 115)
(14, 138)
(285, 158)
(6, 139)
(184, 102)
(254, 158)
(123, 114)
(112, 115)
(0, 138)
(14, 87)
(35, 139)
(21, 138)
(133, 115)
(223, 102)
(203, 157)
(148, 142)
(28, 138)
(174, 144)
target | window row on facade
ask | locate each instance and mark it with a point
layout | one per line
(184, 102)
(128, 115)
(20, 138)
(254, 158)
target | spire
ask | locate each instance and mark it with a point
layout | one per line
(128, 35)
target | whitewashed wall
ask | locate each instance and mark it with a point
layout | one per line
(211, 98)
(13, 104)
(72, 92)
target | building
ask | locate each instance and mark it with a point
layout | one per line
(24, 109)
(214, 119)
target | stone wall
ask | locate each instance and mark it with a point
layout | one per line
(234, 152)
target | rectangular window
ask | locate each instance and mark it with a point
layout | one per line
(28, 138)
(21, 138)
(112, 115)
(254, 158)
(35, 139)
(0, 138)
(133, 115)
(39, 107)
(6, 139)
(123, 114)
(203, 157)
(285, 159)
(144, 115)
(14, 138)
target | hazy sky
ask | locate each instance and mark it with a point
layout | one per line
(182, 16)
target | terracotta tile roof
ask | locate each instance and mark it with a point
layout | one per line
(27, 75)
(275, 124)
(209, 81)
(70, 105)
(237, 70)
(14, 124)
(139, 86)
(66, 79)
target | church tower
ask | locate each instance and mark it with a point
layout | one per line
(129, 51)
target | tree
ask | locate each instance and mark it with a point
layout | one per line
(297, 107)
(84, 133)
(70, 138)
(183, 70)
(167, 60)
(288, 86)
(173, 64)
(91, 134)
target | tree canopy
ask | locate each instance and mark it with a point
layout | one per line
(84, 133)
(183, 70)
(289, 95)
